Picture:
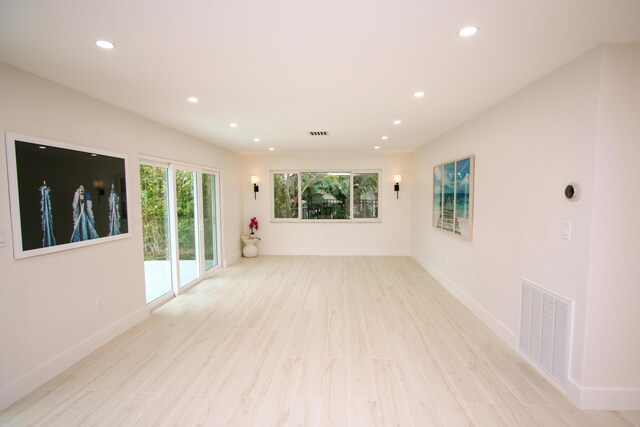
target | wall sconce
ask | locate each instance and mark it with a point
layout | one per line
(398, 180)
(256, 188)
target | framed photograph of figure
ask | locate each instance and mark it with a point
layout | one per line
(453, 196)
(64, 196)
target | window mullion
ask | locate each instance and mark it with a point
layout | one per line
(351, 195)
(299, 195)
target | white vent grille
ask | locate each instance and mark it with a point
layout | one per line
(545, 325)
(319, 133)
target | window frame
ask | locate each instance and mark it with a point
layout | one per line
(299, 219)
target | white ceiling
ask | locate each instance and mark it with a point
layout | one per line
(281, 68)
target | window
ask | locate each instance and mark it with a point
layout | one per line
(285, 195)
(325, 195)
(365, 195)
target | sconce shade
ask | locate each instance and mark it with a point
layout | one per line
(397, 179)
(254, 179)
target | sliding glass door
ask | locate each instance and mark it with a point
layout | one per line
(154, 192)
(187, 220)
(180, 227)
(210, 228)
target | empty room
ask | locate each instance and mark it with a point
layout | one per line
(319, 213)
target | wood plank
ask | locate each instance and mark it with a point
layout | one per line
(361, 383)
(451, 408)
(335, 397)
(310, 381)
(485, 414)
(392, 405)
(276, 407)
(425, 414)
(265, 368)
(415, 387)
(305, 413)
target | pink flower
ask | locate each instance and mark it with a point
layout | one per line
(253, 224)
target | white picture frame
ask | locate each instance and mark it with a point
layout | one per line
(64, 196)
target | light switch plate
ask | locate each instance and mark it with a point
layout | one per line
(566, 230)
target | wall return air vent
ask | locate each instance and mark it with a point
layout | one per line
(545, 328)
(319, 133)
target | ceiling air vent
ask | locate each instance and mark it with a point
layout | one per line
(319, 133)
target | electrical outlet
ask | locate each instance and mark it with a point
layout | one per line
(100, 303)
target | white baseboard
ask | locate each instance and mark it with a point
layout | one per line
(43, 373)
(372, 251)
(494, 324)
(605, 398)
(595, 398)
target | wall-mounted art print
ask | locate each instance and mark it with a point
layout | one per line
(453, 196)
(64, 196)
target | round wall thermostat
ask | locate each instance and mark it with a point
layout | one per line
(570, 191)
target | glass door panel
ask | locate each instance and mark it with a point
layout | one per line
(155, 231)
(186, 211)
(209, 220)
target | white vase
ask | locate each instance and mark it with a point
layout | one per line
(250, 249)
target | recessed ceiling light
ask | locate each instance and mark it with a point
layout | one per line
(467, 31)
(192, 99)
(94, 155)
(377, 147)
(256, 139)
(397, 122)
(385, 137)
(418, 94)
(105, 44)
(271, 148)
(42, 147)
(233, 125)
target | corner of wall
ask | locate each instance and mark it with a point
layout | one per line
(232, 259)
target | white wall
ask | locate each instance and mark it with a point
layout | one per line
(577, 125)
(48, 313)
(391, 236)
(612, 348)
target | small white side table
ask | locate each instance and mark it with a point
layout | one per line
(250, 249)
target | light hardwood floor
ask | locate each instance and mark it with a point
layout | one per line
(317, 341)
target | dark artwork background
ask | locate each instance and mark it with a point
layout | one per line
(64, 171)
